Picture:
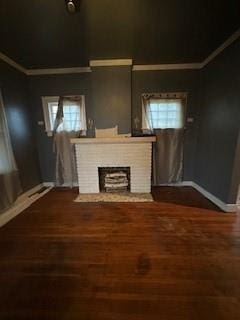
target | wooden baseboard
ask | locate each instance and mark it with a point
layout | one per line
(226, 207)
(23, 202)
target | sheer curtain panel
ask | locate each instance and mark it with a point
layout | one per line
(10, 186)
(164, 115)
(70, 122)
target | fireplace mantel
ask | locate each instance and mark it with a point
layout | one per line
(132, 152)
(114, 140)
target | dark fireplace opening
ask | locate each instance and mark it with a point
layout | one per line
(114, 179)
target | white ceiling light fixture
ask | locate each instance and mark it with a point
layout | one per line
(72, 5)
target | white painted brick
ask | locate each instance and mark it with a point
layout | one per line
(136, 156)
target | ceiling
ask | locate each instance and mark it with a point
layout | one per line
(42, 34)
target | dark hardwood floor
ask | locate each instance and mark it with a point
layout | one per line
(136, 261)
(186, 196)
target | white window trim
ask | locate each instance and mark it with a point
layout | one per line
(45, 101)
(164, 95)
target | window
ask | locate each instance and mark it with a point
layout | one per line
(165, 113)
(163, 110)
(73, 114)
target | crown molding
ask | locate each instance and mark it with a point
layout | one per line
(12, 63)
(194, 66)
(35, 72)
(110, 63)
(173, 66)
(123, 62)
(222, 47)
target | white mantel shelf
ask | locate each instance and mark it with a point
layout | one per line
(114, 140)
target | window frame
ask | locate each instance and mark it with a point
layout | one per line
(45, 104)
(183, 96)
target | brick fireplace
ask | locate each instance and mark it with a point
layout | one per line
(134, 153)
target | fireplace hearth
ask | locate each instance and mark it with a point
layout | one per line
(114, 179)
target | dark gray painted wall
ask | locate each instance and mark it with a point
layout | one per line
(111, 97)
(210, 150)
(108, 102)
(172, 81)
(219, 125)
(14, 89)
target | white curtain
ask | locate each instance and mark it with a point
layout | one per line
(10, 186)
(147, 121)
(168, 149)
(66, 127)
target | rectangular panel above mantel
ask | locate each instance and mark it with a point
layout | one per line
(111, 97)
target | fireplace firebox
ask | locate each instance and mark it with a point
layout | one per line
(114, 179)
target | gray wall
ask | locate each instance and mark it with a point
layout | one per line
(111, 97)
(108, 102)
(14, 89)
(219, 126)
(210, 151)
(172, 81)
